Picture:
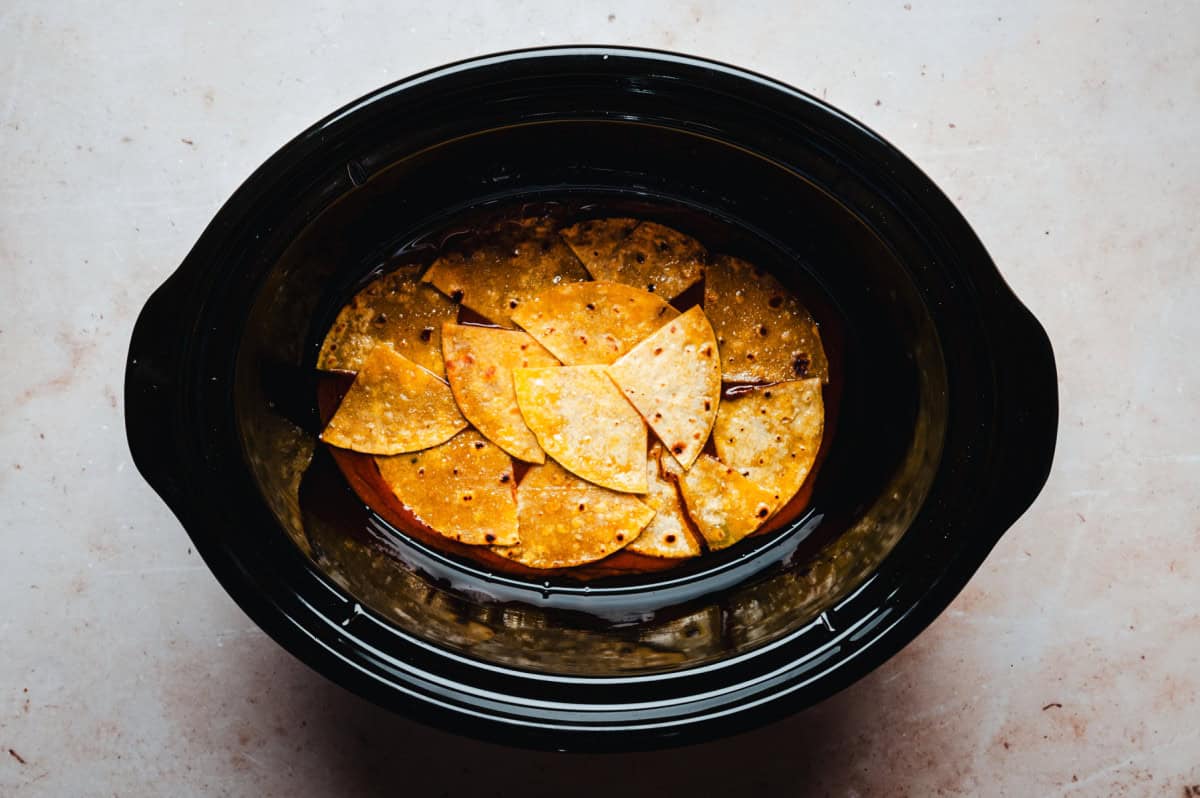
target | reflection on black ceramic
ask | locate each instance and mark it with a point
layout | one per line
(945, 433)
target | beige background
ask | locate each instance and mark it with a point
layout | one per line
(1067, 134)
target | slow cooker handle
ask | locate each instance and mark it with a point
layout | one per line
(1027, 414)
(151, 391)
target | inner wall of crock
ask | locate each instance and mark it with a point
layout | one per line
(878, 471)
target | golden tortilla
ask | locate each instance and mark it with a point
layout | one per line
(479, 363)
(653, 258)
(393, 406)
(724, 505)
(771, 434)
(594, 240)
(507, 270)
(395, 309)
(463, 489)
(581, 420)
(668, 534)
(593, 322)
(565, 521)
(674, 381)
(670, 467)
(765, 334)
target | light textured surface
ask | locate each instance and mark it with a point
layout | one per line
(1065, 131)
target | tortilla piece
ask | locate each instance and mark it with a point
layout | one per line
(594, 240)
(765, 334)
(479, 363)
(565, 521)
(507, 270)
(654, 258)
(668, 534)
(582, 421)
(725, 505)
(396, 309)
(462, 489)
(674, 381)
(593, 322)
(670, 467)
(393, 406)
(771, 434)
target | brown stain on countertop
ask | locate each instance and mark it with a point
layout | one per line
(78, 348)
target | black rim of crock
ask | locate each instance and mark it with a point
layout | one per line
(179, 419)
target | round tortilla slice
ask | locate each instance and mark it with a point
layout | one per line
(395, 309)
(765, 334)
(582, 421)
(592, 322)
(771, 434)
(674, 381)
(594, 240)
(668, 534)
(479, 363)
(462, 489)
(724, 505)
(506, 271)
(653, 258)
(565, 521)
(393, 406)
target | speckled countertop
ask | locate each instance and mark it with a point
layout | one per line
(1067, 134)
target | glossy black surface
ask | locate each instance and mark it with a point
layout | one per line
(947, 430)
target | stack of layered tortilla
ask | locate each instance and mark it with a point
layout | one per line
(593, 378)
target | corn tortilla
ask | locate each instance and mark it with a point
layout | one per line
(395, 309)
(668, 534)
(463, 489)
(594, 240)
(393, 406)
(674, 381)
(653, 258)
(724, 505)
(771, 434)
(479, 364)
(566, 521)
(765, 334)
(581, 420)
(592, 322)
(506, 271)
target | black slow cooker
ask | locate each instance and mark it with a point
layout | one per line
(946, 414)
